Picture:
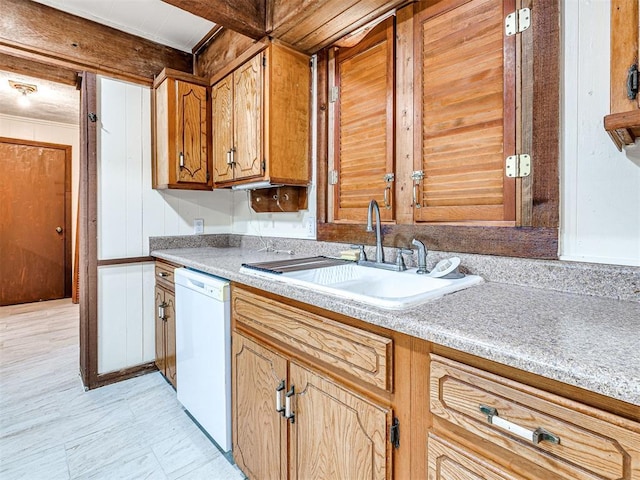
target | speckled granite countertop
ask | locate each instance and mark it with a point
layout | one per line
(586, 341)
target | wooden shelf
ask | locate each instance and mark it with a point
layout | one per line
(623, 128)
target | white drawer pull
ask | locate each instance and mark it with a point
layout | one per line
(279, 390)
(536, 436)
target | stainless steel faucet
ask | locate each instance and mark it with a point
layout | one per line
(422, 256)
(373, 206)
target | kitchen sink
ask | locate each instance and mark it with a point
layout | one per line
(376, 287)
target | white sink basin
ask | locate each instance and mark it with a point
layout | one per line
(380, 288)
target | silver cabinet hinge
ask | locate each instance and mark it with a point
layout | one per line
(517, 21)
(518, 166)
(333, 94)
(333, 177)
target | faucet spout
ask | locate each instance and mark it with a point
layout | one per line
(373, 207)
(422, 256)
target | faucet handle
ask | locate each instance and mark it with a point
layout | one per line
(363, 254)
(400, 259)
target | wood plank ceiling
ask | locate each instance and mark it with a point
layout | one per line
(307, 25)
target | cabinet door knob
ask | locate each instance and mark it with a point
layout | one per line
(59, 229)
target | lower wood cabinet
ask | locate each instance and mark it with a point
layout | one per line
(291, 420)
(259, 431)
(316, 395)
(537, 434)
(165, 321)
(166, 334)
(448, 461)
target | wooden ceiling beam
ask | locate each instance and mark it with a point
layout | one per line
(247, 17)
(30, 29)
(30, 68)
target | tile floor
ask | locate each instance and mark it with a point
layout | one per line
(50, 428)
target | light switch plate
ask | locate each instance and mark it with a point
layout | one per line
(198, 226)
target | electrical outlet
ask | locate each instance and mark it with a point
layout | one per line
(310, 227)
(198, 226)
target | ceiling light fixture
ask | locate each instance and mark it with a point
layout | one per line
(25, 89)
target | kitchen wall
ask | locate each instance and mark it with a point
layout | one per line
(50, 132)
(600, 187)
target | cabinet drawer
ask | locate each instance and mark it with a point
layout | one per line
(592, 444)
(365, 355)
(447, 460)
(165, 274)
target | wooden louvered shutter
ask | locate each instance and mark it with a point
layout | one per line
(467, 97)
(364, 125)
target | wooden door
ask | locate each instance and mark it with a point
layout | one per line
(364, 130)
(447, 461)
(336, 434)
(248, 118)
(35, 221)
(170, 337)
(466, 99)
(160, 331)
(259, 431)
(222, 120)
(192, 132)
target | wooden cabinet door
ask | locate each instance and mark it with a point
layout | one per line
(447, 461)
(191, 132)
(336, 433)
(364, 130)
(170, 338)
(466, 100)
(160, 340)
(248, 118)
(222, 120)
(259, 431)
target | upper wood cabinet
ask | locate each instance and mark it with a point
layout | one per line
(261, 117)
(466, 102)
(623, 122)
(180, 125)
(363, 163)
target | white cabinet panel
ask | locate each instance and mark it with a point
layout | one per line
(126, 336)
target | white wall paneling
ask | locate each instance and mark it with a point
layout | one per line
(129, 211)
(126, 328)
(600, 187)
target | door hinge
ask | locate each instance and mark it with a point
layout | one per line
(518, 166)
(208, 176)
(632, 82)
(333, 94)
(93, 117)
(264, 60)
(333, 177)
(394, 433)
(264, 165)
(517, 21)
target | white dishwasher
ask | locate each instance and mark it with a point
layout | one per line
(203, 351)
